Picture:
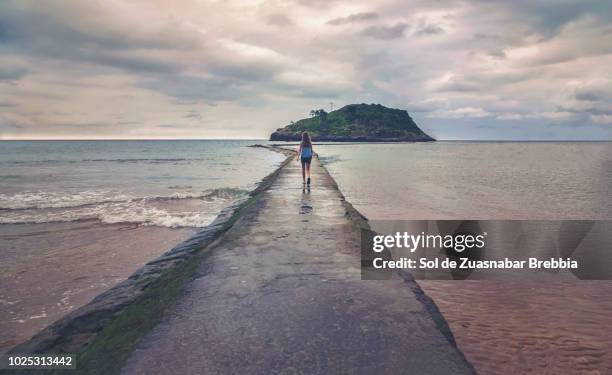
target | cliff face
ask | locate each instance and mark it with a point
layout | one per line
(356, 123)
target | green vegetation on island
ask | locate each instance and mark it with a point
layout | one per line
(355, 123)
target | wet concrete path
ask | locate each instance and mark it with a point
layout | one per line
(281, 294)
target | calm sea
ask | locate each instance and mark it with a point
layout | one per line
(502, 327)
(475, 180)
(163, 183)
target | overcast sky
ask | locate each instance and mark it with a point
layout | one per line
(240, 69)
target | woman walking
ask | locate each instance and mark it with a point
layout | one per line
(305, 155)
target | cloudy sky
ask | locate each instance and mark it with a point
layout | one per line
(240, 69)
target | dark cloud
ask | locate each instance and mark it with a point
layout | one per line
(321, 93)
(549, 17)
(591, 95)
(128, 61)
(279, 19)
(595, 109)
(428, 29)
(58, 33)
(244, 70)
(481, 82)
(194, 88)
(31, 26)
(12, 73)
(495, 43)
(484, 36)
(594, 101)
(424, 106)
(544, 17)
(386, 32)
(460, 85)
(498, 54)
(153, 55)
(11, 125)
(353, 18)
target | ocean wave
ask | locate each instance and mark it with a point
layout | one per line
(118, 160)
(180, 209)
(42, 200)
(148, 216)
(142, 212)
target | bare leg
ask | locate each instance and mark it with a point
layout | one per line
(304, 173)
(308, 169)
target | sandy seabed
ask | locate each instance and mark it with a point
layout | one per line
(528, 327)
(51, 269)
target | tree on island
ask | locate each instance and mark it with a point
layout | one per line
(318, 113)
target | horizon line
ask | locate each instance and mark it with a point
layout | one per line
(266, 139)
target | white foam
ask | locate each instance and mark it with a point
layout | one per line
(117, 208)
(41, 199)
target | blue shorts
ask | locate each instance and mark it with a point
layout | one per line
(306, 160)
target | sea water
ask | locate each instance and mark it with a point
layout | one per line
(162, 183)
(503, 327)
(78, 217)
(475, 180)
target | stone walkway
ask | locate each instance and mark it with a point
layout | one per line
(281, 294)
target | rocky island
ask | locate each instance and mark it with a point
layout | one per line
(355, 123)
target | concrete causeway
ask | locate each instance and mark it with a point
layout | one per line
(281, 293)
